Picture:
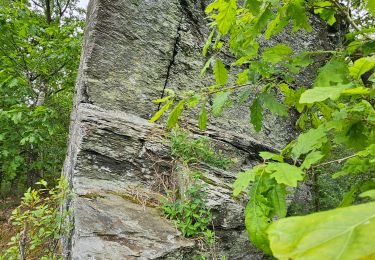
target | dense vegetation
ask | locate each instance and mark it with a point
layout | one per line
(40, 45)
(336, 118)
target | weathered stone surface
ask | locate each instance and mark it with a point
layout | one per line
(134, 49)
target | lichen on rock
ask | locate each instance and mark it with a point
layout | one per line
(133, 51)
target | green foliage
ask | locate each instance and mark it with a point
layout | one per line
(39, 56)
(196, 150)
(190, 213)
(344, 233)
(41, 223)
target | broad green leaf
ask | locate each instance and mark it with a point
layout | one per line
(226, 15)
(243, 180)
(243, 77)
(335, 71)
(277, 53)
(297, 11)
(311, 140)
(311, 159)
(326, 10)
(278, 200)
(220, 73)
(203, 117)
(257, 217)
(256, 115)
(175, 114)
(161, 111)
(273, 156)
(219, 103)
(361, 66)
(343, 233)
(370, 194)
(269, 101)
(314, 95)
(285, 173)
(254, 5)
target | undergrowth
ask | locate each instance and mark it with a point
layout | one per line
(190, 213)
(196, 150)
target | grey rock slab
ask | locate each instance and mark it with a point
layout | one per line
(133, 51)
(110, 227)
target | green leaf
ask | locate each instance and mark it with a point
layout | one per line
(371, 6)
(203, 117)
(206, 66)
(349, 197)
(175, 114)
(269, 101)
(220, 73)
(161, 111)
(326, 10)
(253, 5)
(256, 115)
(277, 53)
(272, 156)
(343, 233)
(243, 77)
(285, 173)
(207, 44)
(361, 66)
(243, 180)
(370, 194)
(311, 140)
(219, 102)
(275, 26)
(161, 100)
(314, 95)
(257, 217)
(354, 165)
(356, 91)
(335, 71)
(297, 11)
(193, 101)
(226, 15)
(311, 159)
(278, 200)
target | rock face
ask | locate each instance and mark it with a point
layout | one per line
(133, 51)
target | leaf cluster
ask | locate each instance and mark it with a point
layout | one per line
(40, 222)
(190, 213)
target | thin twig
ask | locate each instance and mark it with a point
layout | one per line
(334, 161)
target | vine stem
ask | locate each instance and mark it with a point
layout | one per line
(335, 161)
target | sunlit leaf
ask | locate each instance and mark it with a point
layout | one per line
(343, 233)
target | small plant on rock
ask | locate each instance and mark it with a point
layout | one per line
(192, 150)
(190, 213)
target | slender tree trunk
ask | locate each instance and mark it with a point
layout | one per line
(48, 11)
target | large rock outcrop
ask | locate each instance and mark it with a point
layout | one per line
(133, 51)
